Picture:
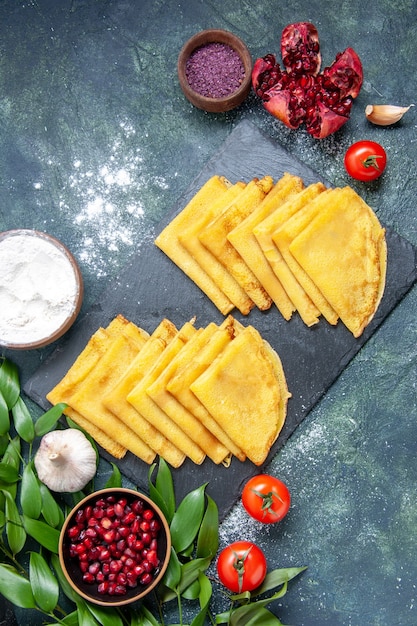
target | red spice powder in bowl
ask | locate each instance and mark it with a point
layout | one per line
(214, 70)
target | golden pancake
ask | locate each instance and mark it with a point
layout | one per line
(195, 429)
(116, 398)
(169, 243)
(81, 367)
(283, 238)
(192, 360)
(144, 404)
(306, 308)
(88, 394)
(241, 391)
(245, 242)
(343, 249)
(214, 238)
(189, 239)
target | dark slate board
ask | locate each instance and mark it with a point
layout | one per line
(151, 287)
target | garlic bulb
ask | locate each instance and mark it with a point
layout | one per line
(65, 460)
(385, 114)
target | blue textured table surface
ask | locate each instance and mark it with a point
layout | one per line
(97, 144)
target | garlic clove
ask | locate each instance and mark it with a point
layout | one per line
(65, 461)
(385, 114)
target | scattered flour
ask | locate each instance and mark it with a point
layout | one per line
(104, 200)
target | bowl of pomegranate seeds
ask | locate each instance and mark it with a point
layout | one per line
(114, 547)
(214, 70)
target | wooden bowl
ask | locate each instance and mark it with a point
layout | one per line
(71, 564)
(232, 99)
(45, 291)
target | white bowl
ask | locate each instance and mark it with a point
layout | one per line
(41, 289)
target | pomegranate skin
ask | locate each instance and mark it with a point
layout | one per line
(300, 48)
(300, 93)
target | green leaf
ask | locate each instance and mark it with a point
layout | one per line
(44, 585)
(43, 533)
(205, 597)
(46, 422)
(206, 589)
(69, 620)
(15, 587)
(249, 613)
(23, 421)
(276, 578)
(84, 615)
(8, 474)
(143, 617)
(12, 454)
(9, 383)
(106, 616)
(4, 442)
(162, 493)
(4, 416)
(63, 583)
(30, 494)
(208, 535)
(50, 510)
(187, 519)
(11, 458)
(191, 571)
(16, 535)
(172, 575)
(192, 592)
(253, 615)
(115, 480)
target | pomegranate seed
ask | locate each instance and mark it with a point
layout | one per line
(137, 506)
(109, 536)
(89, 578)
(104, 554)
(119, 509)
(148, 514)
(152, 557)
(148, 566)
(146, 579)
(128, 518)
(94, 568)
(103, 587)
(121, 545)
(106, 523)
(116, 566)
(110, 511)
(138, 569)
(154, 526)
(146, 538)
(135, 526)
(111, 590)
(73, 532)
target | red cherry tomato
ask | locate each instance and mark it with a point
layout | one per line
(365, 160)
(266, 498)
(241, 566)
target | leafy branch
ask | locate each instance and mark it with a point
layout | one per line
(29, 511)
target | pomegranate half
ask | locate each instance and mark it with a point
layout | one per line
(301, 94)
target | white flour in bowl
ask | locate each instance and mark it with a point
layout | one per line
(38, 288)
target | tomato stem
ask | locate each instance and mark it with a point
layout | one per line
(268, 501)
(239, 565)
(371, 161)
